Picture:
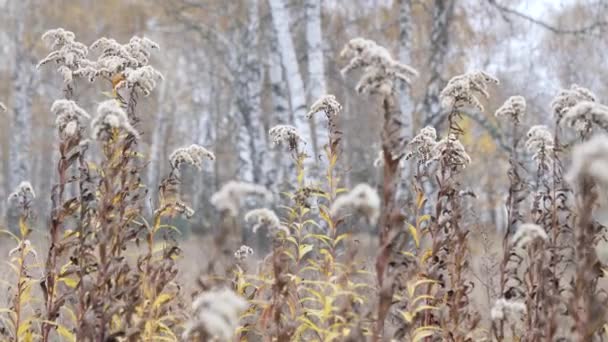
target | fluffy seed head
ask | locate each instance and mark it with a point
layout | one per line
(143, 79)
(110, 116)
(528, 233)
(265, 218)
(69, 54)
(540, 143)
(507, 310)
(70, 120)
(422, 146)
(327, 104)
(285, 135)
(24, 193)
(568, 98)
(228, 198)
(514, 109)
(363, 199)
(590, 160)
(451, 153)
(463, 90)
(380, 70)
(584, 114)
(193, 155)
(216, 315)
(243, 252)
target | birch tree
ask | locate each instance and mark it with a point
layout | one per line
(281, 20)
(441, 19)
(20, 123)
(248, 87)
(316, 67)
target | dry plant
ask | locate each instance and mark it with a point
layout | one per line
(110, 270)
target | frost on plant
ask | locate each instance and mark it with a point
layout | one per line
(362, 199)
(216, 316)
(110, 117)
(590, 160)
(583, 115)
(513, 109)
(528, 233)
(70, 120)
(422, 146)
(228, 198)
(192, 155)
(380, 70)
(327, 104)
(286, 135)
(568, 98)
(464, 90)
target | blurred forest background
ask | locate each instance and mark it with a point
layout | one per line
(235, 68)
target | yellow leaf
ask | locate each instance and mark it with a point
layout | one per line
(414, 233)
(162, 299)
(303, 250)
(69, 282)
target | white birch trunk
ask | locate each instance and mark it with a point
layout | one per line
(280, 20)
(282, 164)
(405, 100)
(20, 125)
(443, 12)
(248, 87)
(316, 69)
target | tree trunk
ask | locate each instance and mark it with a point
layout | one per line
(316, 68)
(20, 125)
(405, 102)
(280, 20)
(430, 108)
(248, 85)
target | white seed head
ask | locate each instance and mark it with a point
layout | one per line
(285, 135)
(451, 153)
(69, 54)
(327, 104)
(463, 90)
(514, 109)
(216, 314)
(590, 160)
(527, 233)
(110, 115)
(70, 120)
(507, 310)
(193, 155)
(243, 253)
(568, 98)
(265, 218)
(422, 146)
(23, 193)
(584, 114)
(380, 70)
(540, 144)
(228, 198)
(362, 199)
